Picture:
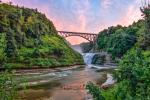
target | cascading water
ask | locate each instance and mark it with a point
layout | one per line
(88, 58)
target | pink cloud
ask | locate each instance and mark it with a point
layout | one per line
(128, 16)
(6, 1)
(81, 22)
(132, 14)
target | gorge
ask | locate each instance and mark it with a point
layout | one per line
(64, 83)
(38, 63)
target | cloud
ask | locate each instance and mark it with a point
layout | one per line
(81, 13)
(86, 15)
(132, 14)
(78, 12)
(106, 3)
(6, 1)
(120, 13)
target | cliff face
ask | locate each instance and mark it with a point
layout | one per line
(28, 38)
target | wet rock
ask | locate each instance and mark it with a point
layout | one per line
(101, 58)
(109, 82)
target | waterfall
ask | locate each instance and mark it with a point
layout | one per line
(88, 58)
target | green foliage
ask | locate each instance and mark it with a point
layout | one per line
(58, 52)
(2, 47)
(95, 91)
(117, 40)
(36, 53)
(10, 49)
(135, 69)
(146, 39)
(133, 79)
(147, 55)
(146, 42)
(133, 74)
(8, 87)
(31, 40)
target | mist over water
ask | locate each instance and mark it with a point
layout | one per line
(87, 57)
(77, 48)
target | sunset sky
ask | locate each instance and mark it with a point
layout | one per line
(85, 15)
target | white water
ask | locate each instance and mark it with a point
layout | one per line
(71, 79)
(88, 58)
(88, 61)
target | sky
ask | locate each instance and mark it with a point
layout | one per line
(90, 16)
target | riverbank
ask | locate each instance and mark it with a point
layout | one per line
(46, 70)
(28, 46)
(36, 68)
(64, 84)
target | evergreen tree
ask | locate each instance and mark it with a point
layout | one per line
(146, 13)
(10, 49)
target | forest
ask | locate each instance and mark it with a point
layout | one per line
(130, 47)
(29, 40)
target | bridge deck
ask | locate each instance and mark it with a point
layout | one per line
(77, 32)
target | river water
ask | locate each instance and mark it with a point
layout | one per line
(67, 84)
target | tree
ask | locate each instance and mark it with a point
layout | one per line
(8, 87)
(146, 13)
(10, 49)
(10, 3)
(118, 41)
(134, 73)
(133, 80)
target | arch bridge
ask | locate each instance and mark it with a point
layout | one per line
(91, 37)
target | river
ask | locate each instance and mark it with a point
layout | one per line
(66, 84)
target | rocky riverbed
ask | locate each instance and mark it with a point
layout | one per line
(66, 84)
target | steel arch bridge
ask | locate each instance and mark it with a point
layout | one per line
(91, 37)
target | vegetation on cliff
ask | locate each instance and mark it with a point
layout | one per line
(132, 45)
(118, 40)
(8, 86)
(133, 80)
(29, 39)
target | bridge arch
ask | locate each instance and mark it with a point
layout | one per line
(88, 36)
(78, 36)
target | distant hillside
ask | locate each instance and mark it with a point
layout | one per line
(77, 48)
(118, 40)
(86, 47)
(29, 39)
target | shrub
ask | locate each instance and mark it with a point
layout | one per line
(133, 80)
(8, 87)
